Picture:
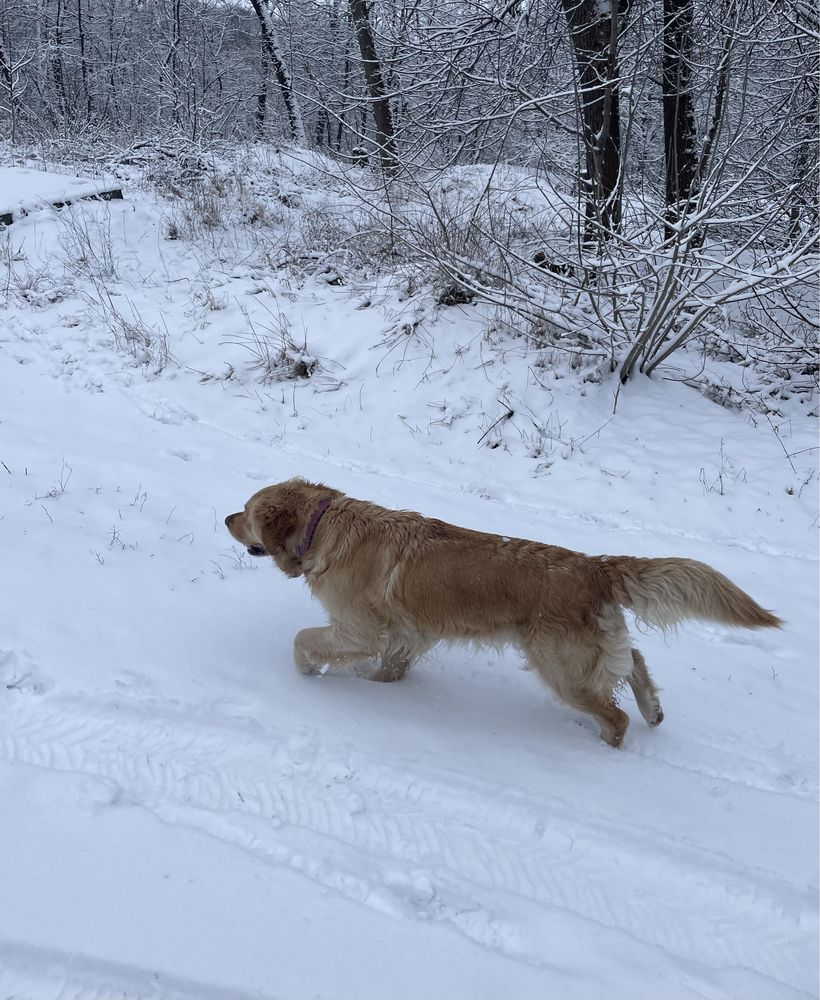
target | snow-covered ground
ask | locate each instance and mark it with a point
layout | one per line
(186, 816)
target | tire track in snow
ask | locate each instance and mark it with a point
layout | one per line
(28, 972)
(433, 847)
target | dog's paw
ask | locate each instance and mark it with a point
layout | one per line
(306, 667)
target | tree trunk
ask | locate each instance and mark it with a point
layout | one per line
(170, 68)
(679, 130)
(261, 98)
(382, 116)
(803, 196)
(594, 27)
(89, 104)
(56, 63)
(7, 80)
(297, 128)
(721, 92)
(342, 116)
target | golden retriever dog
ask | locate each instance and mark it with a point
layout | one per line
(394, 583)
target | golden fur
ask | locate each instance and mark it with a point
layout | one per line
(394, 583)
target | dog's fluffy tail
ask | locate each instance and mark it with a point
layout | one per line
(663, 592)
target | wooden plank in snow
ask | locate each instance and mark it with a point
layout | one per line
(113, 194)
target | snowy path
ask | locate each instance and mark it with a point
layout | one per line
(575, 849)
(422, 845)
(187, 817)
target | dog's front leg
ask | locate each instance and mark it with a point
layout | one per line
(317, 649)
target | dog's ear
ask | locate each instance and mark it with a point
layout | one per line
(276, 524)
(277, 527)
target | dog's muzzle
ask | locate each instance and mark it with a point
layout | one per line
(257, 550)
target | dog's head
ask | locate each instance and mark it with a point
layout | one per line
(275, 521)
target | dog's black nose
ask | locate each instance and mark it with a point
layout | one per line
(228, 520)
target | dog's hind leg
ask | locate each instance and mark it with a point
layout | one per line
(399, 655)
(571, 670)
(643, 687)
(612, 720)
(392, 667)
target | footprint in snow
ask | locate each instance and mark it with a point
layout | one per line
(19, 672)
(165, 412)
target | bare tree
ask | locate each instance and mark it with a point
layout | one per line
(594, 29)
(81, 39)
(280, 67)
(380, 103)
(261, 97)
(55, 62)
(679, 131)
(10, 70)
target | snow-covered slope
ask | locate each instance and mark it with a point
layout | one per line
(186, 816)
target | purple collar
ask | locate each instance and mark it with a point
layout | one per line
(313, 523)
